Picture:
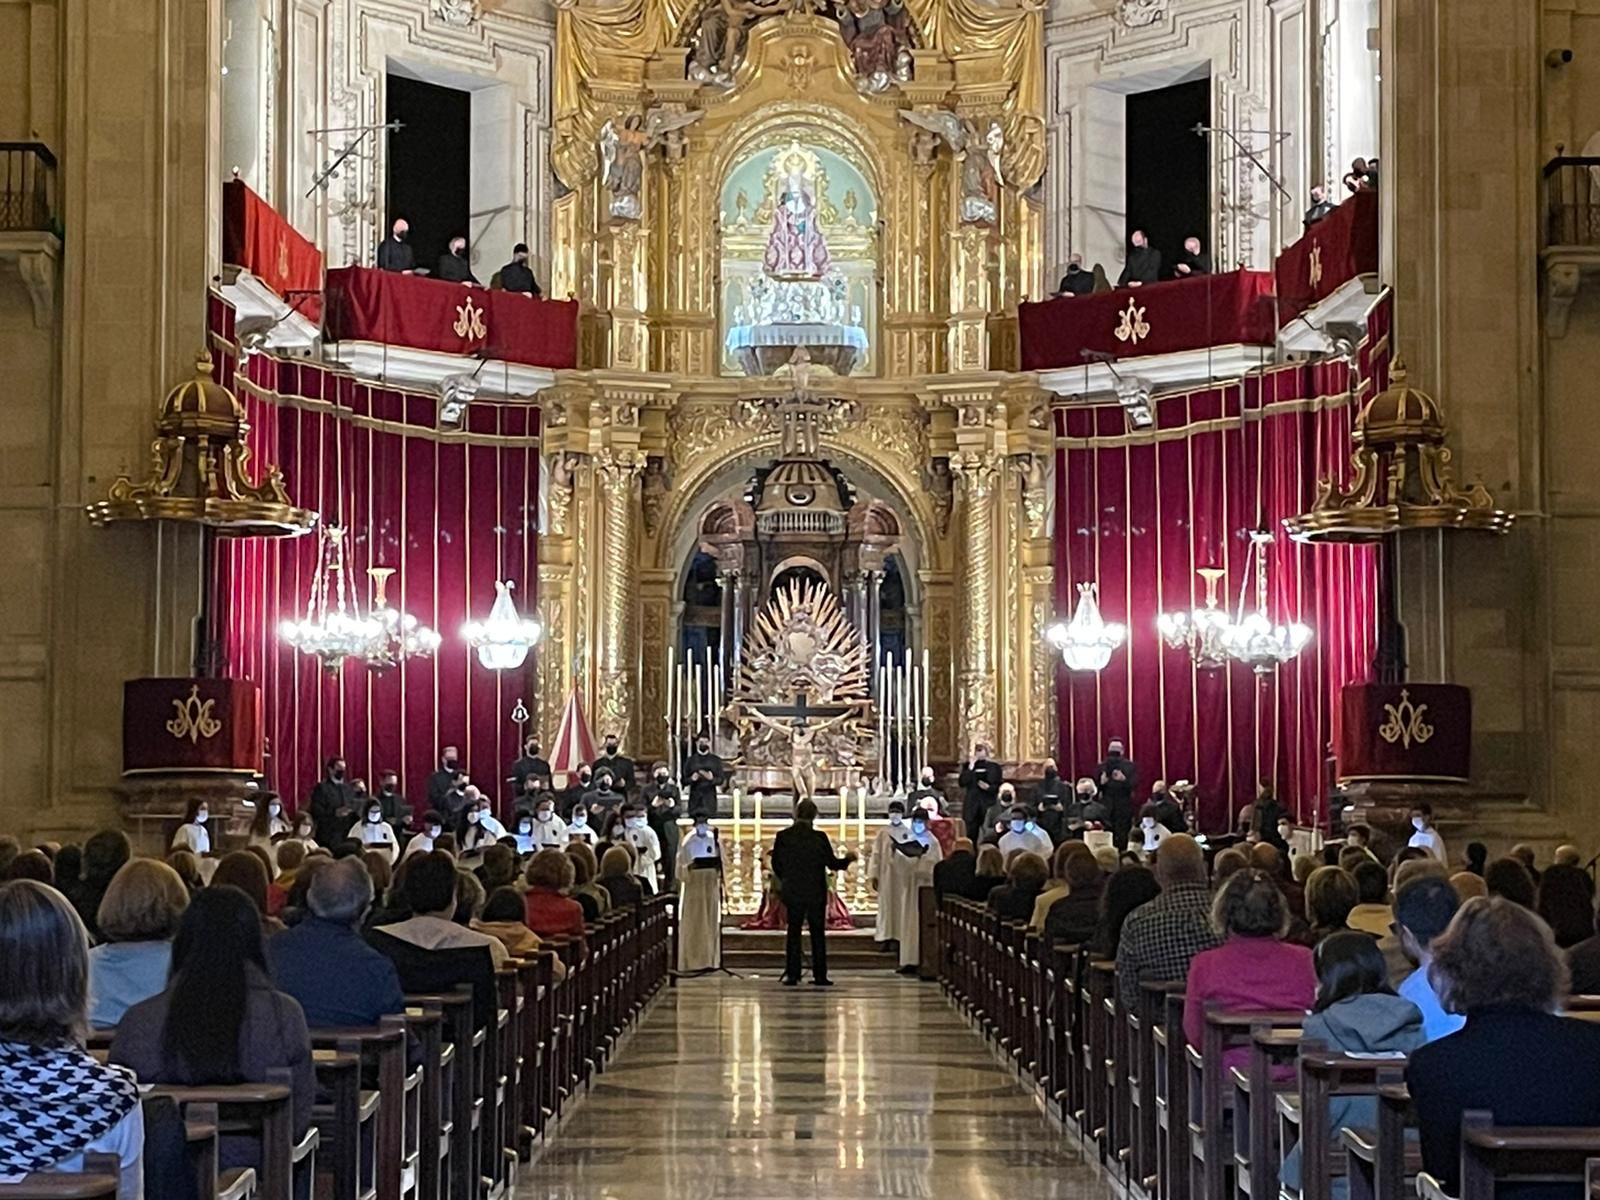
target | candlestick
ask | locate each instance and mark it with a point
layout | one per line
(738, 815)
(861, 817)
(757, 798)
(672, 737)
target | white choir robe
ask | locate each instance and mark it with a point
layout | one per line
(192, 836)
(699, 904)
(582, 831)
(919, 874)
(1035, 839)
(376, 836)
(420, 844)
(647, 853)
(887, 873)
(549, 835)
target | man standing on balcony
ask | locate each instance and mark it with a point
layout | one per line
(394, 252)
(1193, 261)
(1144, 262)
(453, 264)
(516, 275)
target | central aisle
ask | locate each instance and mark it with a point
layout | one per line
(740, 1088)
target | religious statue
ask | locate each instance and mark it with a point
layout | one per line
(802, 755)
(622, 151)
(878, 35)
(719, 41)
(796, 248)
(977, 150)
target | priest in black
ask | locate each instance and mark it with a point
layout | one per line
(663, 800)
(442, 780)
(531, 763)
(926, 790)
(1166, 809)
(619, 764)
(1050, 799)
(602, 799)
(453, 264)
(1193, 261)
(704, 773)
(980, 780)
(396, 812)
(1077, 281)
(516, 275)
(802, 856)
(1115, 777)
(1320, 207)
(394, 252)
(333, 804)
(579, 783)
(1144, 262)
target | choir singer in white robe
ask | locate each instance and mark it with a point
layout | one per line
(889, 877)
(914, 870)
(699, 878)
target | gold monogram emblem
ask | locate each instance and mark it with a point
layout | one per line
(1316, 263)
(469, 322)
(1405, 724)
(283, 258)
(800, 64)
(194, 720)
(1132, 328)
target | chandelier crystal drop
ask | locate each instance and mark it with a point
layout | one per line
(1203, 632)
(504, 640)
(332, 628)
(396, 634)
(1254, 640)
(1087, 641)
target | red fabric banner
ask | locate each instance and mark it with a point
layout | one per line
(260, 241)
(367, 305)
(1335, 250)
(191, 726)
(1412, 731)
(451, 512)
(1159, 318)
(1139, 513)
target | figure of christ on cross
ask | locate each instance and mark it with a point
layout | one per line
(793, 721)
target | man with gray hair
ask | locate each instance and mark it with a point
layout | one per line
(1161, 937)
(325, 964)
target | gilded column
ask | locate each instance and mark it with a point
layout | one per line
(557, 576)
(977, 472)
(618, 653)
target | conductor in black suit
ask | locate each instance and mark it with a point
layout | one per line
(802, 856)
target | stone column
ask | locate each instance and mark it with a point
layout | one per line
(728, 652)
(618, 652)
(873, 609)
(976, 472)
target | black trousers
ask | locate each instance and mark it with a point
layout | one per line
(816, 914)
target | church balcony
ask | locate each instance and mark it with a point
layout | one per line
(1571, 253)
(773, 524)
(30, 241)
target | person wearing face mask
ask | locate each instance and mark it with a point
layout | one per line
(619, 764)
(927, 790)
(548, 831)
(996, 819)
(1052, 785)
(195, 833)
(373, 832)
(704, 772)
(1022, 834)
(1424, 835)
(980, 779)
(662, 800)
(699, 874)
(915, 859)
(269, 825)
(532, 764)
(1116, 777)
(1267, 815)
(444, 779)
(602, 799)
(579, 829)
(305, 830)
(1168, 811)
(888, 875)
(1151, 833)
(646, 845)
(333, 804)
(426, 841)
(395, 809)
(579, 783)
(480, 827)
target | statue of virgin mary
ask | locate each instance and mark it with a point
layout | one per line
(796, 248)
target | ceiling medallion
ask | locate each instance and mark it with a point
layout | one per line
(1087, 641)
(1403, 480)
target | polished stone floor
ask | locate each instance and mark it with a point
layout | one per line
(742, 1088)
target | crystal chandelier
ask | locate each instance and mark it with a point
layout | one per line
(1201, 631)
(1087, 641)
(503, 641)
(395, 635)
(332, 629)
(1254, 640)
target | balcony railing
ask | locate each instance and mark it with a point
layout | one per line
(27, 187)
(1572, 202)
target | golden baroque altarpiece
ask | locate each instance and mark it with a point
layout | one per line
(929, 114)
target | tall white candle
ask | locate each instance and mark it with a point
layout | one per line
(672, 739)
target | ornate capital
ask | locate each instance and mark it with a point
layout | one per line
(977, 470)
(618, 468)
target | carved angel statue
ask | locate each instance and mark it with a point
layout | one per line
(622, 151)
(977, 150)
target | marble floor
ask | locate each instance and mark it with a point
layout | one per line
(742, 1088)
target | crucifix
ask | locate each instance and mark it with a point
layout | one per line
(794, 721)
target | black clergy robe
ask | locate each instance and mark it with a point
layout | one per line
(333, 809)
(621, 768)
(1198, 264)
(439, 785)
(395, 255)
(525, 766)
(705, 774)
(981, 780)
(1117, 795)
(454, 268)
(1143, 266)
(517, 277)
(1076, 282)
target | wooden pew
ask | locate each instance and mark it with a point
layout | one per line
(1145, 1037)
(97, 1181)
(1208, 1095)
(344, 1122)
(1172, 1102)
(265, 1112)
(1376, 1158)
(1491, 1155)
(425, 1023)
(212, 1183)
(381, 1052)
(1324, 1077)
(1256, 1088)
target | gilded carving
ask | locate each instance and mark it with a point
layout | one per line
(653, 488)
(194, 718)
(1131, 325)
(1042, 675)
(552, 662)
(1407, 723)
(1033, 476)
(618, 472)
(699, 428)
(977, 471)
(899, 430)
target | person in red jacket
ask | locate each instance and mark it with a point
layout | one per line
(551, 912)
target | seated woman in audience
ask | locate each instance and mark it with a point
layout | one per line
(59, 1103)
(504, 917)
(243, 870)
(616, 876)
(550, 912)
(138, 920)
(187, 864)
(1076, 917)
(1124, 892)
(1508, 878)
(990, 873)
(1254, 970)
(1013, 900)
(290, 856)
(305, 829)
(220, 1020)
(499, 866)
(1356, 1012)
(1468, 886)
(470, 897)
(269, 826)
(1056, 887)
(1566, 902)
(591, 897)
(1498, 966)
(195, 832)
(34, 865)
(1330, 897)
(1228, 863)
(434, 894)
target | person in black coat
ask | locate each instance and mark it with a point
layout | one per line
(1115, 777)
(531, 763)
(1077, 281)
(444, 779)
(704, 773)
(953, 876)
(454, 266)
(1498, 965)
(1168, 811)
(1144, 262)
(980, 779)
(394, 252)
(802, 856)
(333, 804)
(516, 275)
(1193, 261)
(619, 764)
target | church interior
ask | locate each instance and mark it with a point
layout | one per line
(1043, 425)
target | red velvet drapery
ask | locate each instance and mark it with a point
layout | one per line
(451, 511)
(1140, 512)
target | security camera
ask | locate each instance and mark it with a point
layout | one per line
(1558, 58)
